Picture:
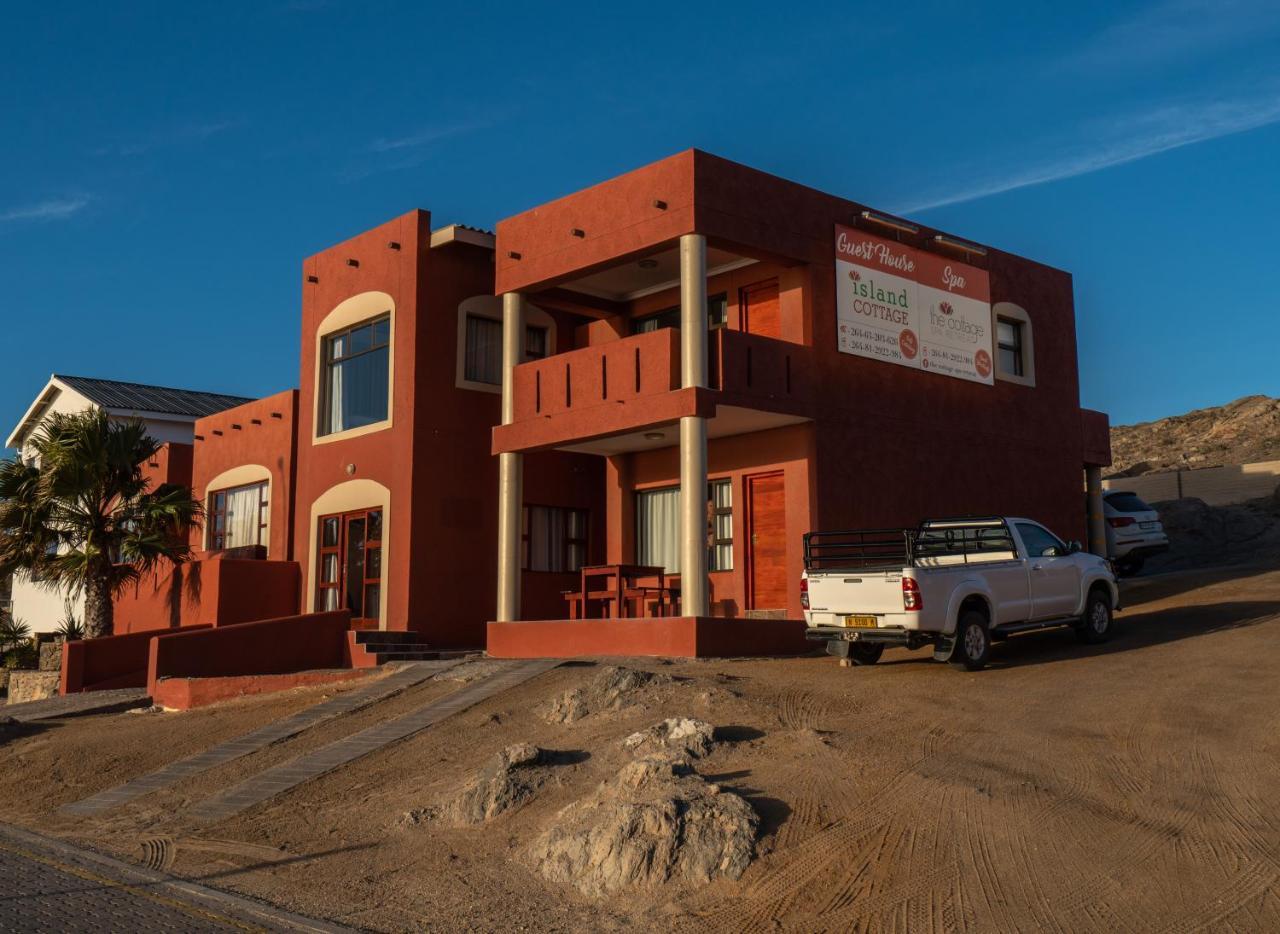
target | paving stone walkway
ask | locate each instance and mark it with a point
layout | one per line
(287, 775)
(407, 676)
(50, 885)
(70, 705)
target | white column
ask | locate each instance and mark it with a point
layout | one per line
(1097, 524)
(510, 466)
(693, 429)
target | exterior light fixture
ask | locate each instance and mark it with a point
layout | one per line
(353, 262)
(351, 469)
(653, 436)
(960, 244)
(578, 232)
(885, 220)
(313, 279)
(648, 264)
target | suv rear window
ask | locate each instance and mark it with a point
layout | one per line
(1127, 502)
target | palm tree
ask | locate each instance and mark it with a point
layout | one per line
(86, 519)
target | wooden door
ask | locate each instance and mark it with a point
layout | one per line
(350, 565)
(766, 542)
(761, 309)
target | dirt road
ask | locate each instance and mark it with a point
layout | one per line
(1129, 786)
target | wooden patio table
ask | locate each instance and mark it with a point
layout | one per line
(609, 584)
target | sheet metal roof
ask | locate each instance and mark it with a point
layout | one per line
(137, 397)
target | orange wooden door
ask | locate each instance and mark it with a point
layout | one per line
(761, 311)
(766, 542)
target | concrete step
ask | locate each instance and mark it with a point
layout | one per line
(406, 656)
(382, 636)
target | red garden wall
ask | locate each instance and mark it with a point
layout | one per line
(266, 647)
(104, 664)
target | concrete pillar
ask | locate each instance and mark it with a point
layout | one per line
(694, 587)
(1097, 523)
(510, 465)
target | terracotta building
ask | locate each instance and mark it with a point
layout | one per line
(671, 375)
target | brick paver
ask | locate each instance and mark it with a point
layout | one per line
(289, 774)
(49, 885)
(410, 674)
(69, 705)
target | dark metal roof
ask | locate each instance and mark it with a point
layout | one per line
(136, 397)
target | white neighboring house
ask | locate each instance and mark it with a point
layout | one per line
(169, 415)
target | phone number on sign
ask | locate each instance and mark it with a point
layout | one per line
(869, 342)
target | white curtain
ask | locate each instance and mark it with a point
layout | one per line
(335, 399)
(243, 521)
(547, 538)
(658, 529)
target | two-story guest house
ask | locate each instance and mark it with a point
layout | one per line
(607, 428)
(752, 359)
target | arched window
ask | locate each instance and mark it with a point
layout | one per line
(354, 369)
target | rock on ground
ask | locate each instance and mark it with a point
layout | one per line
(506, 781)
(676, 738)
(652, 824)
(612, 688)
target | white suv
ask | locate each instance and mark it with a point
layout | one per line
(1134, 530)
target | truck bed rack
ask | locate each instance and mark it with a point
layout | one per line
(934, 541)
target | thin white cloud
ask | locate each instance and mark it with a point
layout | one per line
(1174, 30)
(1122, 140)
(55, 209)
(426, 136)
(162, 139)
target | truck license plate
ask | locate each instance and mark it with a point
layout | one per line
(861, 622)
(1146, 525)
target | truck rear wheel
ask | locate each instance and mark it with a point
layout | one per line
(866, 653)
(972, 642)
(1095, 625)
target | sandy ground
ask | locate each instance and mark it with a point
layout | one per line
(1129, 786)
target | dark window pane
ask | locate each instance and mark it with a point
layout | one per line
(382, 332)
(374, 533)
(373, 563)
(535, 343)
(372, 601)
(355, 566)
(1010, 361)
(329, 569)
(329, 536)
(483, 351)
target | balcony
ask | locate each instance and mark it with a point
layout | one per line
(614, 397)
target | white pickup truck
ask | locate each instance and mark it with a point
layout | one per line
(955, 584)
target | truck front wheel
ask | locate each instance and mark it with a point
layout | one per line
(1095, 625)
(866, 653)
(973, 642)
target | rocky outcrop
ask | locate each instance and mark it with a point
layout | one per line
(1241, 432)
(612, 689)
(505, 782)
(655, 823)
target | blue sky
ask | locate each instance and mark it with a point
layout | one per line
(163, 166)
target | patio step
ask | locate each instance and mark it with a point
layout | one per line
(372, 647)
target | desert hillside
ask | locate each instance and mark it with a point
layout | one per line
(1239, 432)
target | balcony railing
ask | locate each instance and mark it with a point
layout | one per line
(649, 365)
(644, 365)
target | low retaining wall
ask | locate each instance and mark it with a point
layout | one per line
(672, 637)
(185, 693)
(107, 663)
(215, 591)
(267, 647)
(25, 686)
(1217, 486)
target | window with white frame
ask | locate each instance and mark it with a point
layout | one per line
(658, 527)
(1009, 347)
